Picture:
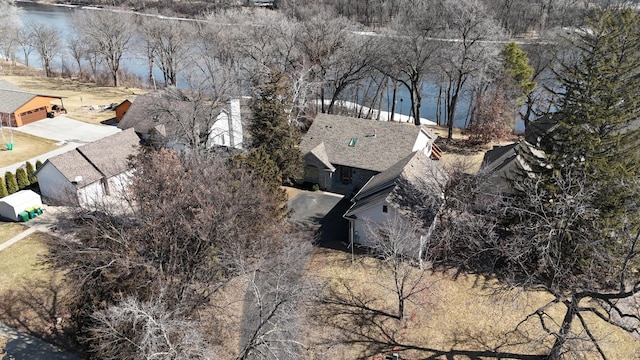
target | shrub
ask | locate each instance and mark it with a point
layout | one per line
(3, 188)
(38, 164)
(315, 187)
(30, 172)
(22, 179)
(12, 184)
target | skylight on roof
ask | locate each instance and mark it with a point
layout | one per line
(353, 142)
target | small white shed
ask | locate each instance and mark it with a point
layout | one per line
(14, 204)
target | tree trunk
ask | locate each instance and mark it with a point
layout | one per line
(393, 102)
(565, 329)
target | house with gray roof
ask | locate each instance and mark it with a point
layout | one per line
(171, 117)
(90, 172)
(410, 190)
(20, 107)
(343, 153)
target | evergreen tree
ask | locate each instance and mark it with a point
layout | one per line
(12, 184)
(518, 80)
(3, 188)
(260, 164)
(30, 172)
(22, 178)
(272, 128)
(517, 66)
(598, 135)
(38, 164)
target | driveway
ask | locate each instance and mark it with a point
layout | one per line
(322, 211)
(24, 346)
(62, 128)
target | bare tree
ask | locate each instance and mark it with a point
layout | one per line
(107, 36)
(410, 38)
(24, 40)
(146, 330)
(78, 50)
(468, 53)
(278, 296)
(549, 241)
(169, 42)
(397, 243)
(46, 42)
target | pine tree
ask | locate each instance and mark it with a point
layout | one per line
(272, 129)
(598, 136)
(22, 178)
(3, 188)
(30, 172)
(12, 184)
(519, 81)
(38, 164)
(260, 164)
(516, 64)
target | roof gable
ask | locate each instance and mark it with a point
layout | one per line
(12, 97)
(379, 144)
(414, 170)
(103, 158)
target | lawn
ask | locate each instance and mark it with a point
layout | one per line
(20, 262)
(84, 101)
(25, 147)
(9, 230)
(463, 314)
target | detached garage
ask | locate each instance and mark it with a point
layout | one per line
(26, 202)
(19, 107)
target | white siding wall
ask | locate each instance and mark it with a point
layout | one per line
(423, 143)
(373, 215)
(91, 194)
(118, 184)
(54, 186)
(227, 129)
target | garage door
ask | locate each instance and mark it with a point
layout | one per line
(33, 115)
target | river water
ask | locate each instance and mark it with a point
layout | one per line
(60, 18)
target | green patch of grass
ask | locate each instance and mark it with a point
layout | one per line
(25, 147)
(9, 230)
(20, 261)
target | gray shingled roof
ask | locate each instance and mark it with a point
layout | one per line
(103, 158)
(414, 169)
(150, 110)
(12, 97)
(392, 141)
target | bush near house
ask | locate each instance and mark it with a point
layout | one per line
(22, 178)
(12, 184)
(30, 171)
(3, 188)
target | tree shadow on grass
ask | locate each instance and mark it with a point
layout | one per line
(358, 322)
(39, 308)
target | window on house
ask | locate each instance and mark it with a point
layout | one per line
(385, 208)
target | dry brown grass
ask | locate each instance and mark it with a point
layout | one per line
(9, 230)
(463, 313)
(79, 97)
(459, 153)
(25, 147)
(20, 262)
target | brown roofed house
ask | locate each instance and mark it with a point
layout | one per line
(90, 172)
(19, 107)
(414, 182)
(343, 153)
